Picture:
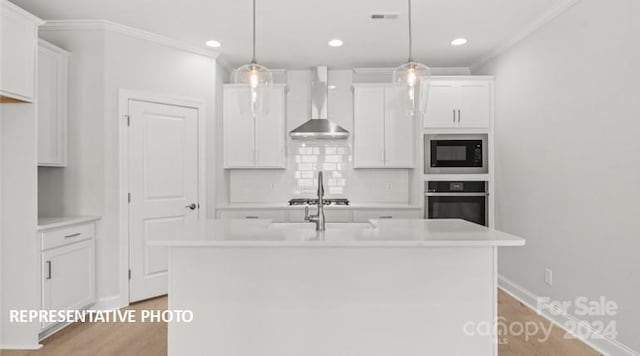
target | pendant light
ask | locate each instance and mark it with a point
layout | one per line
(257, 77)
(408, 79)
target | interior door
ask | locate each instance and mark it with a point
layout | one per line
(163, 183)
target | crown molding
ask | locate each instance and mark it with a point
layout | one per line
(547, 17)
(9, 6)
(105, 25)
(434, 70)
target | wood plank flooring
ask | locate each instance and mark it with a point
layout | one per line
(150, 339)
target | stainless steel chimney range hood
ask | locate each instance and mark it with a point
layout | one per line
(319, 127)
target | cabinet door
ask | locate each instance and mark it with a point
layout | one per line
(442, 103)
(238, 130)
(52, 106)
(270, 132)
(18, 46)
(474, 104)
(368, 135)
(399, 132)
(68, 277)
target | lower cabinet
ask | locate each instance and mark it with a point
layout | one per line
(336, 215)
(365, 215)
(68, 269)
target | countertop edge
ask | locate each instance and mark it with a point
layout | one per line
(288, 207)
(58, 222)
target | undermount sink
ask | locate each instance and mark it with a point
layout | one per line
(328, 226)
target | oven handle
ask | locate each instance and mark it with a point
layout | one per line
(451, 194)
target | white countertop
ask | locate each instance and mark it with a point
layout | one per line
(53, 223)
(285, 205)
(381, 233)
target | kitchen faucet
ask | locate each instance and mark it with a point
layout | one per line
(317, 218)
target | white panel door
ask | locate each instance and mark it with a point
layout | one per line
(474, 104)
(68, 277)
(368, 135)
(442, 104)
(399, 130)
(270, 132)
(238, 129)
(163, 181)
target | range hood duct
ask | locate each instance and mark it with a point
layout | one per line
(319, 127)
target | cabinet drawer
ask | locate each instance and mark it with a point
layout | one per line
(329, 214)
(67, 235)
(274, 215)
(368, 214)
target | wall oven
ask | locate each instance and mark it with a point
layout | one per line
(467, 200)
(453, 154)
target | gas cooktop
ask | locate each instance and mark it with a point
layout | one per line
(314, 201)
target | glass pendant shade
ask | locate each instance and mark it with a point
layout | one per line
(409, 80)
(258, 79)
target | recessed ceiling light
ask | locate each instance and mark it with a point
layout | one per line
(459, 42)
(213, 43)
(335, 43)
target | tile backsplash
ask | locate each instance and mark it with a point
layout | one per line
(299, 179)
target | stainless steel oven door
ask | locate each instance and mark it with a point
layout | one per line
(467, 206)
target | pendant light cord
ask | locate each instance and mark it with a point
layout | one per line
(253, 58)
(410, 36)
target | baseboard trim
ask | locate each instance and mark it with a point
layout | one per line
(108, 303)
(20, 347)
(602, 344)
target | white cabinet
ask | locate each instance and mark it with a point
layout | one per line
(254, 142)
(463, 103)
(365, 215)
(274, 215)
(68, 268)
(383, 135)
(18, 48)
(52, 105)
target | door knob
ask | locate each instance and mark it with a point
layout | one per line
(191, 206)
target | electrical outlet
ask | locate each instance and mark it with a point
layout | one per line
(548, 276)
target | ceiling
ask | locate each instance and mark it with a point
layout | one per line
(294, 33)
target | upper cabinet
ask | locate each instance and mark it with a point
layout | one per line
(253, 142)
(52, 105)
(18, 48)
(383, 136)
(459, 103)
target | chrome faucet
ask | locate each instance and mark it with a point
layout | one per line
(317, 218)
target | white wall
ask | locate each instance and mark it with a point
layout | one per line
(101, 63)
(384, 185)
(567, 137)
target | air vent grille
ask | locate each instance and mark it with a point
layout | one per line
(379, 17)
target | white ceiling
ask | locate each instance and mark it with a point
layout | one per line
(294, 33)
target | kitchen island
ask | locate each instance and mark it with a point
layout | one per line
(390, 287)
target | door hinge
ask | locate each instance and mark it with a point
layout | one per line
(129, 197)
(128, 120)
(129, 274)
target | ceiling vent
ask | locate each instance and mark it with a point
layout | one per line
(382, 17)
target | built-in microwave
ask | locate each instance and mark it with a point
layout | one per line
(454, 153)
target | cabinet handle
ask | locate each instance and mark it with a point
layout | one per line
(459, 115)
(72, 235)
(386, 217)
(48, 269)
(454, 116)
(252, 217)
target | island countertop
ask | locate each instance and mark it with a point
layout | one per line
(379, 233)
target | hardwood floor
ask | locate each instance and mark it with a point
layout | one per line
(150, 339)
